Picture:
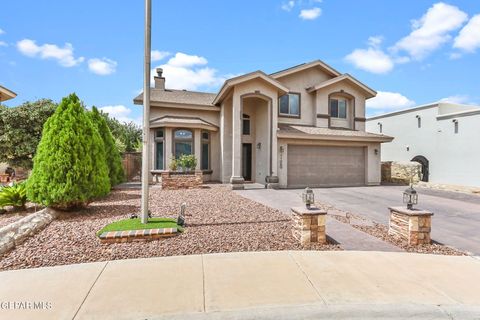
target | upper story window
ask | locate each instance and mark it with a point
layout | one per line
(183, 142)
(338, 108)
(289, 105)
(245, 124)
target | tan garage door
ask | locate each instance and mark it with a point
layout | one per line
(321, 166)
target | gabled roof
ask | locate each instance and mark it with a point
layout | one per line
(345, 77)
(244, 78)
(6, 94)
(178, 96)
(304, 66)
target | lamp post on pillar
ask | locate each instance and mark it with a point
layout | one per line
(146, 111)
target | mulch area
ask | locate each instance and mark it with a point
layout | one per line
(218, 220)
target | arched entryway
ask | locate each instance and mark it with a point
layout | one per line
(424, 162)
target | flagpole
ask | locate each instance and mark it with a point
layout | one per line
(146, 111)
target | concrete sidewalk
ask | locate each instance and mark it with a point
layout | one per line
(256, 285)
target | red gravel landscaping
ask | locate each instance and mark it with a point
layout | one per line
(218, 220)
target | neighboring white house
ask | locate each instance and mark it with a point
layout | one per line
(443, 137)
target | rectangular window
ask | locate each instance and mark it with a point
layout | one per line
(183, 148)
(205, 156)
(246, 127)
(159, 156)
(289, 104)
(338, 108)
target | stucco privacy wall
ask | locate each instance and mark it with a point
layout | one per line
(453, 157)
(372, 174)
(323, 108)
(297, 83)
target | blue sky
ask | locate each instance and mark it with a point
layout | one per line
(411, 52)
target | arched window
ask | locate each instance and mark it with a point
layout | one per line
(182, 142)
(245, 124)
(159, 150)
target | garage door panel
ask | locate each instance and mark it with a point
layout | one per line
(323, 166)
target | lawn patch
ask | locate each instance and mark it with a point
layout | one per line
(136, 224)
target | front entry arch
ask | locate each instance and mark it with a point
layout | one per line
(424, 162)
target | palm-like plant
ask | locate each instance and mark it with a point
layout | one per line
(15, 196)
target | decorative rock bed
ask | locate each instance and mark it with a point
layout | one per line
(16, 232)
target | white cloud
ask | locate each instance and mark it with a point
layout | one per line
(102, 66)
(469, 37)
(458, 98)
(310, 14)
(288, 6)
(3, 44)
(431, 30)
(389, 101)
(372, 59)
(2, 31)
(183, 60)
(159, 55)
(121, 113)
(64, 56)
(190, 72)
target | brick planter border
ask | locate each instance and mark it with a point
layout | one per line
(137, 235)
(309, 225)
(171, 180)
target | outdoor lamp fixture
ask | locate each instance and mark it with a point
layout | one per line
(308, 197)
(410, 197)
(259, 145)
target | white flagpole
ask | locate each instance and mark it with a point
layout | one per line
(146, 111)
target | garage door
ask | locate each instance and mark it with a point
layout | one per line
(321, 166)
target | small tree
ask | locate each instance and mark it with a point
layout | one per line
(69, 168)
(21, 130)
(114, 160)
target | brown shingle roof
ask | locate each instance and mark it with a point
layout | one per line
(178, 96)
(286, 130)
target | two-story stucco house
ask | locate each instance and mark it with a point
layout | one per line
(302, 126)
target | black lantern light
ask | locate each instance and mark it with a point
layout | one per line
(410, 197)
(308, 197)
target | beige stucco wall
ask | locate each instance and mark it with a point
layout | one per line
(373, 164)
(298, 82)
(323, 108)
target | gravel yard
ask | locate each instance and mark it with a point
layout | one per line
(218, 220)
(11, 216)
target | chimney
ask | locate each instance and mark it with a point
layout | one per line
(159, 80)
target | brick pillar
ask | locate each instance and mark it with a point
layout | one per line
(309, 225)
(412, 225)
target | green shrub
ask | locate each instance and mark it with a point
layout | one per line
(173, 164)
(114, 160)
(188, 162)
(15, 196)
(69, 168)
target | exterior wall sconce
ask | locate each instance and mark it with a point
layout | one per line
(376, 152)
(410, 197)
(308, 197)
(259, 145)
(282, 149)
(380, 127)
(408, 148)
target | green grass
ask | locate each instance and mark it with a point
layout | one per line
(135, 224)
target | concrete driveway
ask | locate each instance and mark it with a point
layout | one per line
(457, 216)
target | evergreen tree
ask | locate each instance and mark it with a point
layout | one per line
(114, 160)
(69, 168)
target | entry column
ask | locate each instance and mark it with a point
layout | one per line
(236, 180)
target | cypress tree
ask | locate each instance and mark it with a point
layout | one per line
(69, 168)
(114, 160)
